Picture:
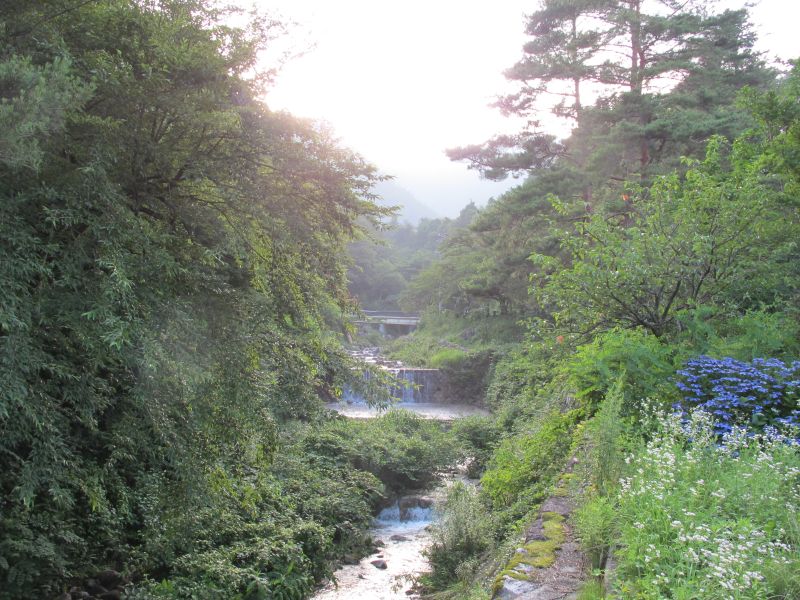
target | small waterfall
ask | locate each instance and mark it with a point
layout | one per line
(419, 386)
(426, 393)
(411, 509)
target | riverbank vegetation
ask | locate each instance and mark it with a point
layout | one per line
(652, 278)
(174, 303)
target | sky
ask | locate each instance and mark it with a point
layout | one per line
(400, 82)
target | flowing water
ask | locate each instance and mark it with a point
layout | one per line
(444, 412)
(402, 555)
(424, 393)
(404, 533)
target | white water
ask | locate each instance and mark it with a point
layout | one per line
(426, 410)
(403, 558)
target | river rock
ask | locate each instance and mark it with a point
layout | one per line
(406, 503)
(399, 538)
(379, 564)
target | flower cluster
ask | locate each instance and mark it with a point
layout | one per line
(756, 394)
(707, 517)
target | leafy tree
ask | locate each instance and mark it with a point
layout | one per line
(169, 272)
(690, 243)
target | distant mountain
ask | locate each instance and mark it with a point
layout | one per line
(412, 210)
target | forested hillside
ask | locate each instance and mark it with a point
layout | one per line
(646, 275)
(172, 285)
(386, 258)
(179, 264)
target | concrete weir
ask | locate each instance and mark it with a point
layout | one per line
(424, 392)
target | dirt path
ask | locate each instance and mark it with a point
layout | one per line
(550, 564)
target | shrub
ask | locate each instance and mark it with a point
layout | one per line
(464, 531)
(524, 459)
(640, 358)
(755, 394)
(703, 519)
(447, 357)
(595, 523)
(604, 438)
(477, 436)
(710, 330)
(402, 449)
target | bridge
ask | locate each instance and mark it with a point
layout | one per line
(389, 322)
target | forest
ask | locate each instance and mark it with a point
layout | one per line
(181, 268)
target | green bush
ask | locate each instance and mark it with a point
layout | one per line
(447, 357)
(477, 437)
(464, 532)
(642, 360)
(528, 458)
(605, 437)
(754, 334)
(400, 448)
(595, 524)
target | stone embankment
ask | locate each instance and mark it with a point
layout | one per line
(549, 565)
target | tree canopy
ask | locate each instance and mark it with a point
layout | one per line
(170, 276)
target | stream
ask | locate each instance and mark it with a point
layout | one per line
(424, 394)
(403, 542)
(403, 534)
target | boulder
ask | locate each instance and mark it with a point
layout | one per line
(379, 564)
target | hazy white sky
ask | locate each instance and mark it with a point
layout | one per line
(402, 81)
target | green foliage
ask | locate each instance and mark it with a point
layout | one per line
(696, 515)
(477, 436)
(447, 357)
(754, 334)
(168, 272)
(596, 527)
(683, 246)
(632, 362)
(529, 458)
(400, 448)
(440, 330)
(605, 440)
(464, 532)
(641, 273)
(592, 590)
(38, 100)
(279, 534)
(393, 255)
